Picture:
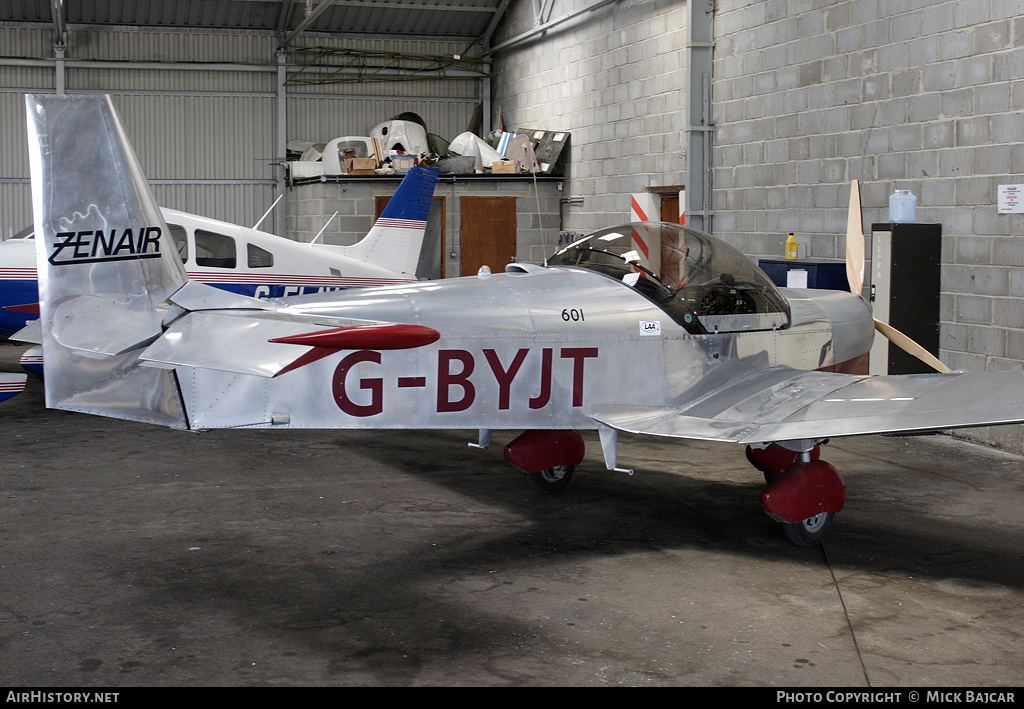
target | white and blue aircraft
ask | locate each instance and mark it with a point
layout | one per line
(255, 263)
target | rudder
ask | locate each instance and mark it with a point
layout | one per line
(106, 263)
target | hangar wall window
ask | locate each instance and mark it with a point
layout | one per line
(259, 258)
(215, 250)
(180, 237)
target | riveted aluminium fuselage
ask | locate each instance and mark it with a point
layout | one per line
(530, 348)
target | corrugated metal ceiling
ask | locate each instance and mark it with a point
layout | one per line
(453, 19)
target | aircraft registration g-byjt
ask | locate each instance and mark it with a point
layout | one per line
(246, 260)
(592, 340)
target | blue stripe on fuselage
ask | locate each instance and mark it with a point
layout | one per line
(12, 293)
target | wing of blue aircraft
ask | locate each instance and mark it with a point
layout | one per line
(11, 384)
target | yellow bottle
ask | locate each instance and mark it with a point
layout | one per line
(791, 247)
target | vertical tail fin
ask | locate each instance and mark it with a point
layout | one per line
(396, 238)
(106, 262)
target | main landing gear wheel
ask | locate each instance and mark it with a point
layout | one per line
(550, 481)
(812, 531)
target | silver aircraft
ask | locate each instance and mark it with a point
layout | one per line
(689, 340)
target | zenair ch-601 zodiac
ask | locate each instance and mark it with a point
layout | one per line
(591, 340)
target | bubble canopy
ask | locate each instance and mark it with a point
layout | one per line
(701, 282)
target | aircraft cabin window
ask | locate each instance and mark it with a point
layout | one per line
(215, 250)
(259, 258)
(701, 282)
(180, 237)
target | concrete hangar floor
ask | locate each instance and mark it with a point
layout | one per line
(133, 555)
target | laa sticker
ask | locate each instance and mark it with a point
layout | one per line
(650, 327)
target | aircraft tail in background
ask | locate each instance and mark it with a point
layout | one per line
(396, 239)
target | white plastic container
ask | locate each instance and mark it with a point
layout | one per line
(902, 207)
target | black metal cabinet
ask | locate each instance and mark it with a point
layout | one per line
(904, 283)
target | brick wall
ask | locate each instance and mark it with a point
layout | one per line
(614, 79)
(925, 95)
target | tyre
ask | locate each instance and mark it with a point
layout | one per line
(812, 531)
(550, 481)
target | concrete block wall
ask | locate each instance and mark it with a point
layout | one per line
(614, 78)
(925, 95)
(310, 206)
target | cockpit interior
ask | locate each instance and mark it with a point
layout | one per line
(701, 282)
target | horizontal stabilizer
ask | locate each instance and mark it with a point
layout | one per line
(200, 296)
(770, 406)
(32, 332)
(101, 325)
(241, 342)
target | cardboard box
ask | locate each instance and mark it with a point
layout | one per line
(360, 166)
(402, 164)
(504, 167)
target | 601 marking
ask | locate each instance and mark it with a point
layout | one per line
(573, 314)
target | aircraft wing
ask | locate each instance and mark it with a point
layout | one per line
(11, 384)
(779, 404)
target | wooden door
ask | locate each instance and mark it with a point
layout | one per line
(487, 233)
(671, 252)
(670, 208)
